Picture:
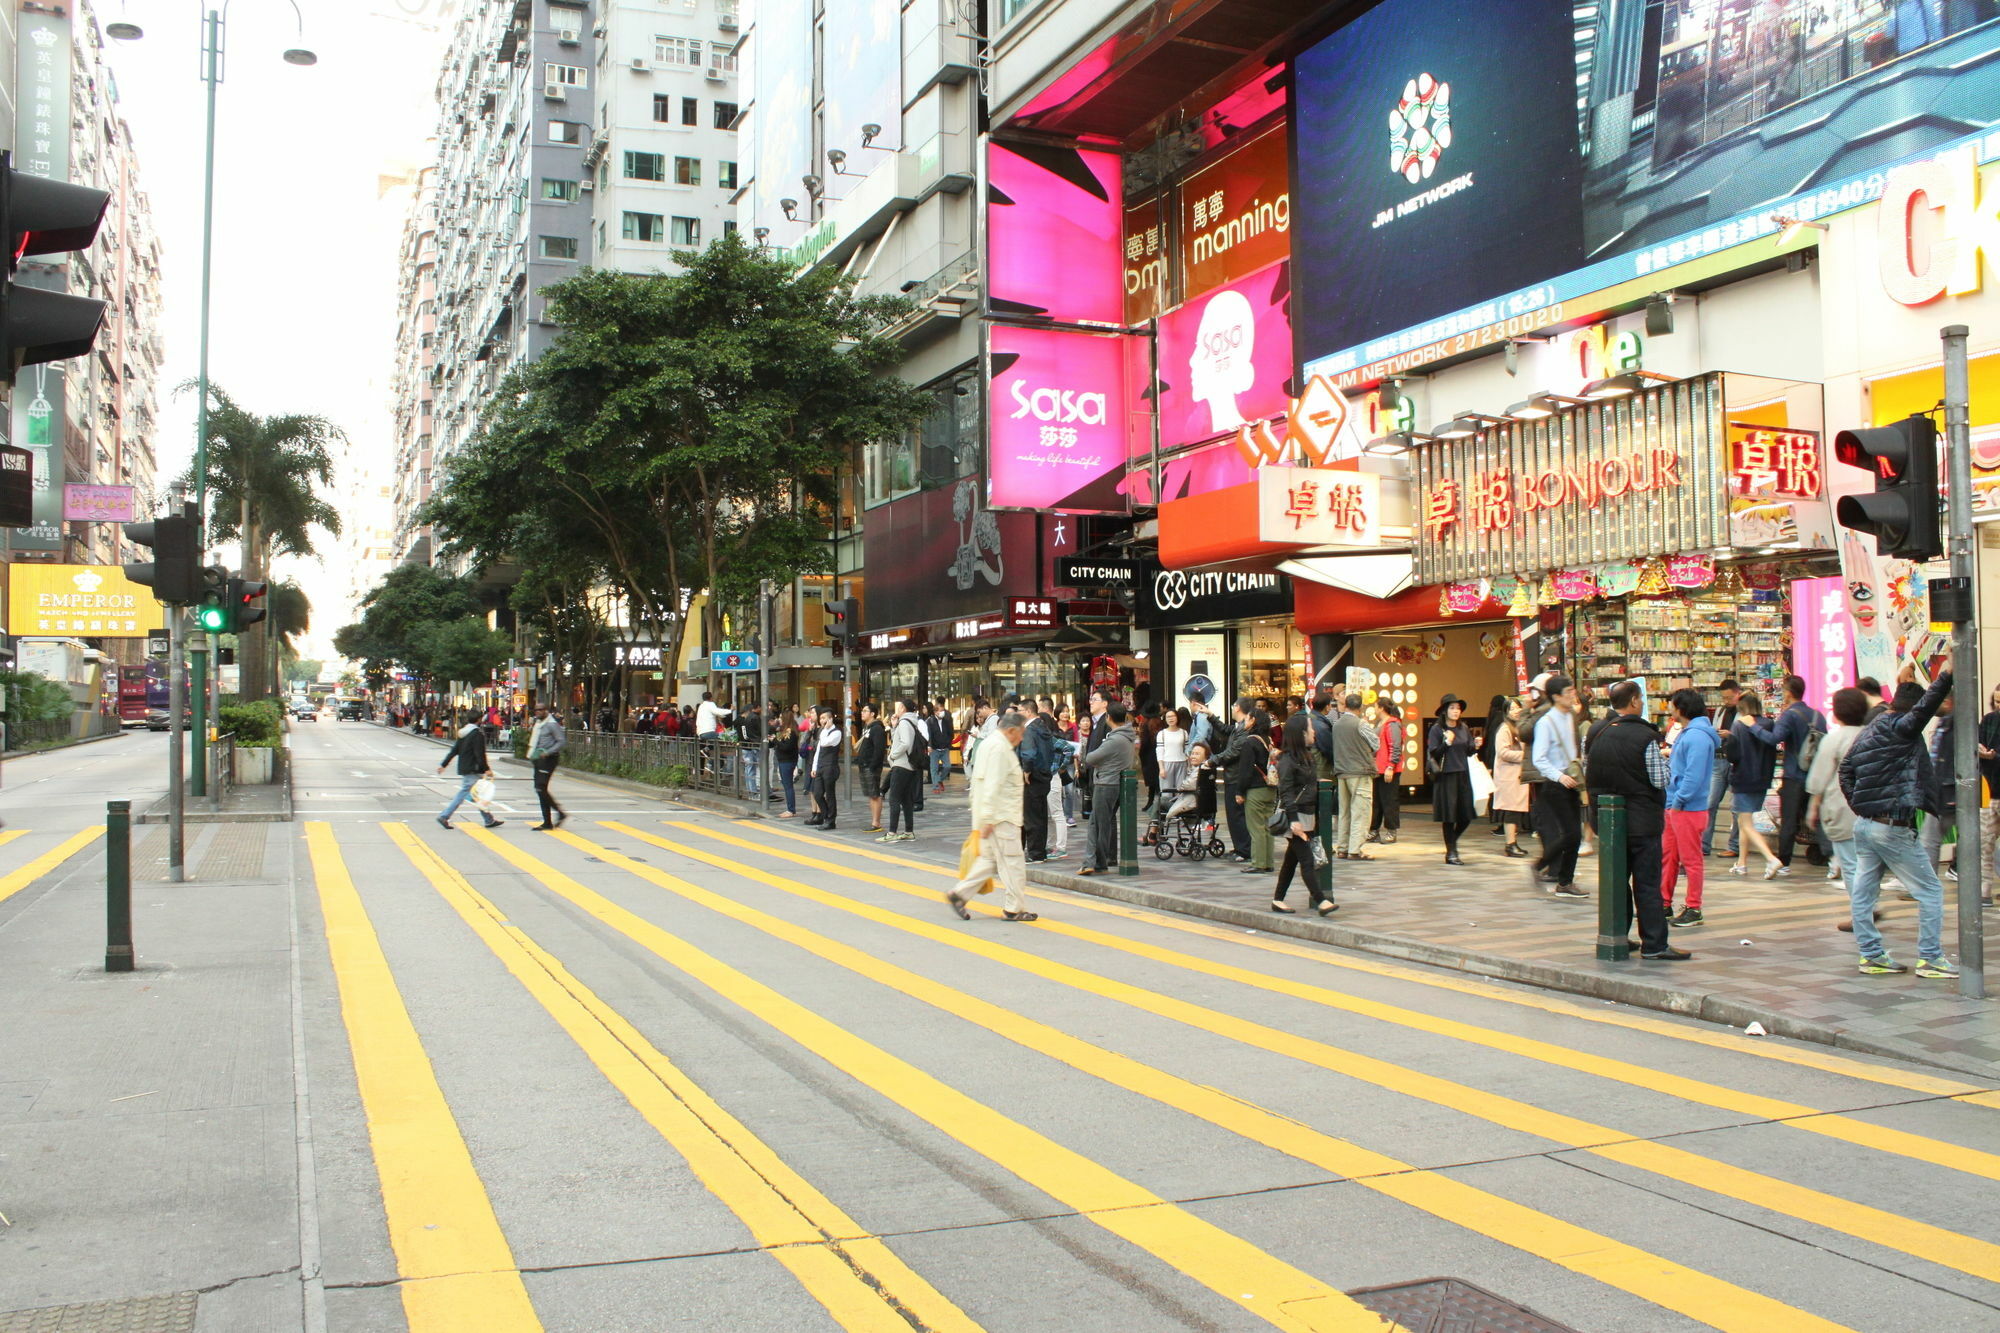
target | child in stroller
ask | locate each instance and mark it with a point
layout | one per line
(1188, 825)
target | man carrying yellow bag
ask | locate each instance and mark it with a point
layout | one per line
(996, 788)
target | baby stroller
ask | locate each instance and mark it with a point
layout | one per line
(1188, 826)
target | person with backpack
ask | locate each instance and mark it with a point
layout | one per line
(1829, 811)
(1886, 778)
(1799, 728)
(909, 761)
(1036, 752)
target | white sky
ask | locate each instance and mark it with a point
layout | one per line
(304, 291)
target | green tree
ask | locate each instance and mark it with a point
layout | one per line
(685, 430)
(465, 650)
(265, 474)
(303, 670)
(399, 619)
(33, 697)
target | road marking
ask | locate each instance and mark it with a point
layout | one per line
(858, 1278)
(1648, 1276)
(459, 1273)
(1826, 1062)
(14, 881)
(9, 835)
(1949, 1248)
(1224, 1263)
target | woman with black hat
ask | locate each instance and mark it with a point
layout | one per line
(1450, 749)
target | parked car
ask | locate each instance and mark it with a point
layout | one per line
(305, 711)
(156, 720)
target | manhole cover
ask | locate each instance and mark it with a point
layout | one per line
(171, 1313)
(1451, 1305)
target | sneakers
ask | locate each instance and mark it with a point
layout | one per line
(1690, 916)
(1833, 872)
(1937, 969)
(906, 837)
(889, 837)
(1951, 873)
(1773, 869)
(1881, 965)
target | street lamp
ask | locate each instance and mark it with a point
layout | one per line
(211, 74)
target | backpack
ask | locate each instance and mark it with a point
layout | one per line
(1526, 728)
(920, 744)
(1809, 747)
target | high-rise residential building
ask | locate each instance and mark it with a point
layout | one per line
(571, 133)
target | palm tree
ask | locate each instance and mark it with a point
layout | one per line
(290, 615)
(265, 474)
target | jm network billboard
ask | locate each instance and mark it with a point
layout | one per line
(1459, 166)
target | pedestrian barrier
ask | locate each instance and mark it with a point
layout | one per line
(1614, 897)
(1326, 817)
(681, 763)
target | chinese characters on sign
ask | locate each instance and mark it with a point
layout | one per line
(63, 600)
(1318, 507)
(1822, 638)
(1776, 462)
(1031, 613)
(98, 504)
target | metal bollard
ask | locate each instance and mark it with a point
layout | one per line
(1128, 823)
(1614, 889)
(1325, 814)
(117, 886)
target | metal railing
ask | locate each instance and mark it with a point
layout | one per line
(221, 767)
(727, 768)
(47, 731)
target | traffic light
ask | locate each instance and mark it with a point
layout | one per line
(1902, 512)
(39, 216)
(245, 598)
(843, 619)
(174, 571)
(211, 612)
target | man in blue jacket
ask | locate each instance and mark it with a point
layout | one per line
(1794, 723)
(1886, 778)
(1690, 792)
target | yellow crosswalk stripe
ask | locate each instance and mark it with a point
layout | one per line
(1804, 1057)
(1951, 1249)
(8, 835)
(1223, 1262)
(459, 1274)
(858, 1278)
(14, 881)
(1648, 1276)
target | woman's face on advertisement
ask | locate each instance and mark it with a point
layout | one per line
(1861, 605)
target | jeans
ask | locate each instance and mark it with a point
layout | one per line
(1681, 850)
(903, 798)
(545, 769)
(1878, 846)
(787, 772)
(1103, 826)
(1357, 805)
(465, 781)
(1035, 818)
(1258, 803)
(940, 765)
(1717, 789)
(1935, 827)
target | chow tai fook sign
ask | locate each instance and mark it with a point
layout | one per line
(1033, 613)
(1636, 476)
(89, 601)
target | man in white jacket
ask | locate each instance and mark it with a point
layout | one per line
(996, 788)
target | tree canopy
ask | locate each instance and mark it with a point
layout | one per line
(427, 623)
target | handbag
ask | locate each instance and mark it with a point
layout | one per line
(481, 794)
(1280, 821)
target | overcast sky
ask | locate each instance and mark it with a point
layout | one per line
(303, 312)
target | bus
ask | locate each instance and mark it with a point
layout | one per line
(141, 689)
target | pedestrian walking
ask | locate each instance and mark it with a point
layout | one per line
(1753, 757)
(909, 760)
(1795, 723)
(1724, 722)
(1385, 821)
(1450, 748)
(1510, 793)
(1691, 778)
(545, 746)
(997, 791)
(1036, 754)
(1626, 760)
(827, 743)
(871, 752)
(1357, 749)
(1115, 756)
(1887, 782)
(470, 752)
(1296, 804)
(1827, 809)
(1555, 751)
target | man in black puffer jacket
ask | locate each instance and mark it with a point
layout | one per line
(1886, 778)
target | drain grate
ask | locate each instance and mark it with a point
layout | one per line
(171, 1313)
(1452, 1305)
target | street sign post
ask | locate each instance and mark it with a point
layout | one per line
(733, 659)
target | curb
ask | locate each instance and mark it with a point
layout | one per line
(1722, 1009)
(66, 745)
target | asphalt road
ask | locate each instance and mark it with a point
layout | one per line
(665, 1070)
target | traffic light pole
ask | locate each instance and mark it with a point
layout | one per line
(211, 73)
(197, 655)
(177, 702)
(1964, 662)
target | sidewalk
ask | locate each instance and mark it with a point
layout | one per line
(1769, 951)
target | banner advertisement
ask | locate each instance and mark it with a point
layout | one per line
(38, 426)
(42, 148)
(941, 554)
(1055, 221)
(1226, 359)
(1822, 639)
(95, 601)
(99, 504)
(1236, 215)
(1059, 423)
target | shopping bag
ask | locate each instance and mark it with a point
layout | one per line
(968, 856)
(1766, 820)
(481, 794)
(1482, 780)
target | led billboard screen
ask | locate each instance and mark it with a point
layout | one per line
(1226, 359)
(1462, 171)
(1055, 218)
(1058, 423)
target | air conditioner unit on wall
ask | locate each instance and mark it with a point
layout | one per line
(569, 36)
(556, 92)
(715, 72)
(586, 187)
(639, 63)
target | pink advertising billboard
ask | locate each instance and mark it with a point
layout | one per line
(98, 504)
(1226, 359)
(1822, 638)
(1058, 419)
(1055, 219)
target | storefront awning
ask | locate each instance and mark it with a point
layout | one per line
(1369, 575)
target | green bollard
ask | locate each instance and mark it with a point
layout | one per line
(117, 886)
(1128, 823)
(1614, 888)
(1326, 817)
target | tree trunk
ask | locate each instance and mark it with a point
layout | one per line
(253, 674)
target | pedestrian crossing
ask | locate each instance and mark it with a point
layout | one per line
(1195, 1126)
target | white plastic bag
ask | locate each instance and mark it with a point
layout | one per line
(481, 794)
(1482, 780)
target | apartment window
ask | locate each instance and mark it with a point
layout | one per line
(566, 18)
(602, 245)
(645, 166)
(565, 131)
(725, 175)
(722, 55)
(729, 226)
(687, 231)
(1013, 9)
(676, 51)
(645, 227)
(687, 171)
(690, 111)
(725, 115)
(558, 189)
(557, 247)
(576, 76)
(663, 108)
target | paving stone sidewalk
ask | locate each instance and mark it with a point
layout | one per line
(1769, 949)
